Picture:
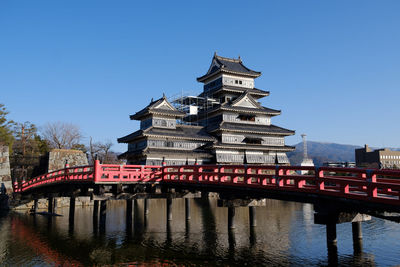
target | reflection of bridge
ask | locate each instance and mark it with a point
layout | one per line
(338, 194)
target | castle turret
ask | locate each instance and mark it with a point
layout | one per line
(161, 139)
(240, 123)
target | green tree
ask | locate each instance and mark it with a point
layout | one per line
(42, 145)
(6, 136)
(80, 147)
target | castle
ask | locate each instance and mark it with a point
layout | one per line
(225, 124)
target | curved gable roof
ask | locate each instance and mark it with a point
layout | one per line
(228, 65)
(160, 106)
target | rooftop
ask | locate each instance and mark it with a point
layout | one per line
(160, 106)
(228, 65)
(187, 132)
(254, 128)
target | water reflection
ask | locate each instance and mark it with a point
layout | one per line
(284, 236)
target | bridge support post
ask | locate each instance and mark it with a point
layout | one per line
(95, 215)
(55, 205)
(95, 209)
(330, 215)
(357, 237)
(146, 206)
(187, 209)
(252, 216)
(50, 205)
(35, 206)
(103, 214)
(232, 203)
(356, 230)
(169, 209)
(231, 217)
(331, 234)
(129, 216)
(71, 216)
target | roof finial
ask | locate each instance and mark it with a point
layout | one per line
(240, 60)
(215, 53)
(163, 95)
(152, 100)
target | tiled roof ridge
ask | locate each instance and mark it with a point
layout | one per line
(239, 60)
(186, 125)
(243, 95)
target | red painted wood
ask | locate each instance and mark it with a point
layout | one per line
(381, 186)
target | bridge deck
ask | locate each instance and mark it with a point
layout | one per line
(361, 186)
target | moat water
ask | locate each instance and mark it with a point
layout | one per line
(285, 236)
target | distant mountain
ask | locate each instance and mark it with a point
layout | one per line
(323, 152)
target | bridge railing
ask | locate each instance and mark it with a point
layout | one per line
(112, 173)
(373, 185)
(79, 173)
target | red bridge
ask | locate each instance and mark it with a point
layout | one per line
(338, 194)
(368, 186)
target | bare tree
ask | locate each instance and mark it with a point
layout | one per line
(62, 135)
(93, 150)
(103, 152)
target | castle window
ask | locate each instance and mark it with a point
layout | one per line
(240, 82)
(247, 117)
(169, 144)
(236, 81)
(249, 140)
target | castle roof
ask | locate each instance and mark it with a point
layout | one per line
(251, 128)
(229, 66)
(185, 132)
(255, 92)
(160, 107)
(245, 103)
(251, 147)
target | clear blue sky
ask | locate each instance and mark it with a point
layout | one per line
(332, 67)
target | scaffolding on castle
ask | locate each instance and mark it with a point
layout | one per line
(191, 104)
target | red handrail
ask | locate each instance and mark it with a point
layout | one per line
(382, 186)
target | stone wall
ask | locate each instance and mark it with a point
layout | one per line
(58, 158)
(5, 173)
(43, 204)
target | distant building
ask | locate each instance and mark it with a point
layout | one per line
(306, 162)
(340, 164)
(380, 158)
(225, 124)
